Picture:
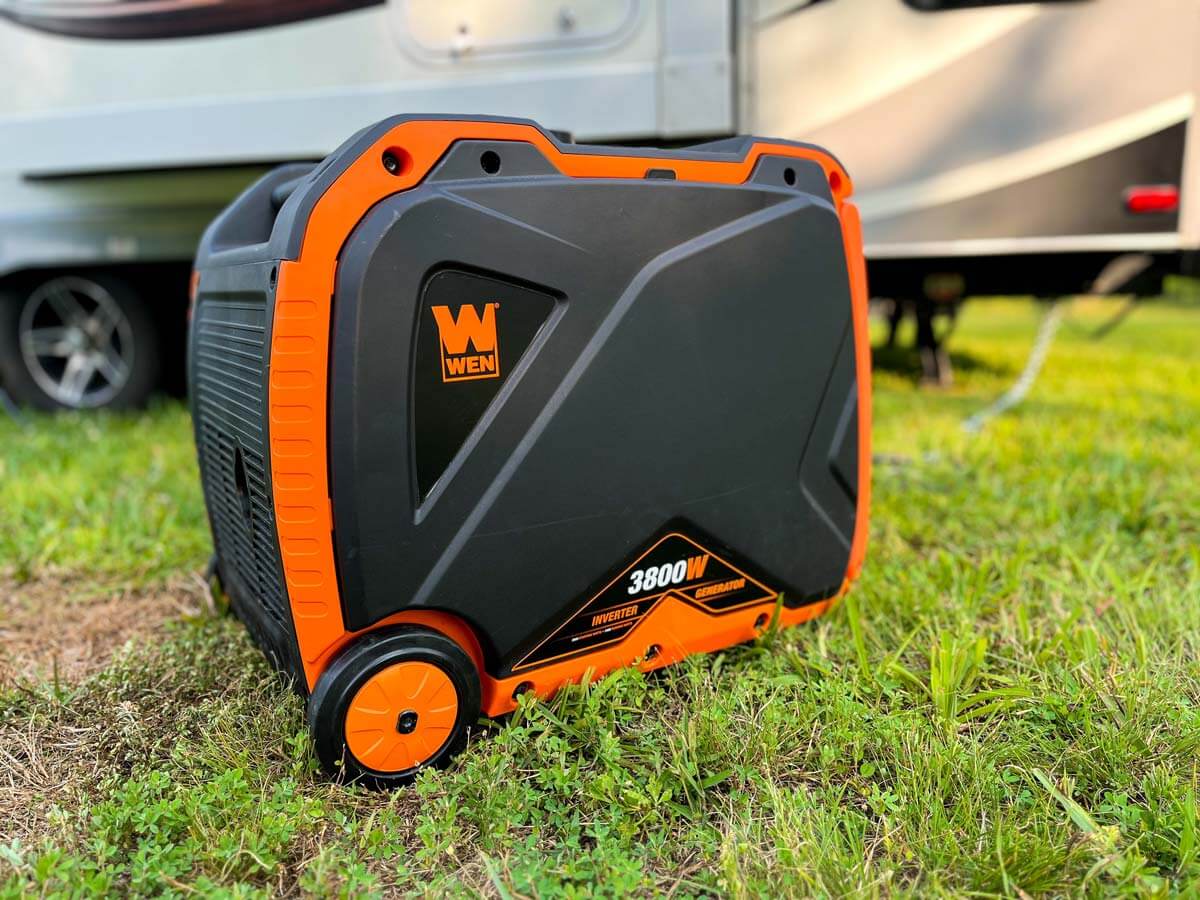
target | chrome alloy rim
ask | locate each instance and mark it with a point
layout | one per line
(76, 342)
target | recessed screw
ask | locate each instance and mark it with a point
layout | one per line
(523, 688)
(407, 722)
(391, 163)
(652, 652)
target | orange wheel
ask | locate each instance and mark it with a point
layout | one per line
(392, 703)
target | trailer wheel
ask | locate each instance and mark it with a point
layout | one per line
(393, 703)
(77, 342)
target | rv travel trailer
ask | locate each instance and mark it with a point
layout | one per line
(996, 147)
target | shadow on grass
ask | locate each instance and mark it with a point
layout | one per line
(906, 361)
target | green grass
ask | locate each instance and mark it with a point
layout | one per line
(1007, 704)
(114, 497)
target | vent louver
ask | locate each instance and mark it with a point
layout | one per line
(229, 385)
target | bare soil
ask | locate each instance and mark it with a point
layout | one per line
(60, 629)
(63, 628)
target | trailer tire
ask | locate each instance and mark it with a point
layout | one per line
(77, 341)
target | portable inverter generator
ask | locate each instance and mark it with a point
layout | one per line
(481, 411)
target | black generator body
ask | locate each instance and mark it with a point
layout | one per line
(480, 411)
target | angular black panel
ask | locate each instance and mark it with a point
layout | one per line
(702, 348)
(843, 455)
(471, 334)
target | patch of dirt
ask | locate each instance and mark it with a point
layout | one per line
(65, 628)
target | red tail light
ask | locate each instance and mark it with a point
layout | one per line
(193, 288)
(1152, 198)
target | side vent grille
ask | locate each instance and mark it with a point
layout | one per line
(229, 385)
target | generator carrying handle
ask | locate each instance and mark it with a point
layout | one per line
(271, 219)
(282, 191)
(357, 175)
(247, 223)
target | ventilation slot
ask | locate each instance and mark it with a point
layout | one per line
(229, 385)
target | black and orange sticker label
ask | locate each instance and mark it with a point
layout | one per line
(675, 566)
(468, 342)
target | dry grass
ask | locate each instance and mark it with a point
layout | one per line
(57, 631)
(62, 629)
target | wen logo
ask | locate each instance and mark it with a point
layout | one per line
(470, 348)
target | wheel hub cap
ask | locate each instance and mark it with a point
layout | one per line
(401, 717)
(76, 342)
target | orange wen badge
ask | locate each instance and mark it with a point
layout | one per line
(470, 347)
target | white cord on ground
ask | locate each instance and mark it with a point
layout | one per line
(1033, 367)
